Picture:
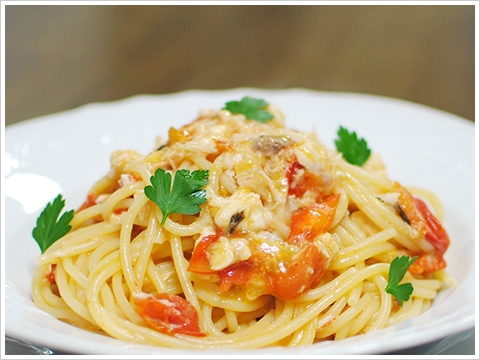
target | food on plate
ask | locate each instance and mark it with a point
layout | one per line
(237, 231)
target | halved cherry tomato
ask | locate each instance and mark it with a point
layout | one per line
(236, 274)
(299, 184)
(428, 263)
(169, 314)
(306, 271)
(199, 262)
(422, 220)
(299, 275)
(313, 220)
(292, 171)
(435, 234)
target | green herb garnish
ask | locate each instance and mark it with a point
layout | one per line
(253, 109)
(184, 197)
(48, 229)
(353, 149)
(398, 268)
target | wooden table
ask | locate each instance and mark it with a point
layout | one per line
(59, 57)
(62, 56)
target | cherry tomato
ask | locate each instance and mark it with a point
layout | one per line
(236, 274)
(169, 314)
(435, 234)
(422, 220)
(313, 220)
(427, 263)
(299, 275)
(298, 184)
(199, 262)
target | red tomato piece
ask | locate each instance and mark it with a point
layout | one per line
(199, 262)
(422, 220)
(293, 186)
(236, 274)
(300, 182)
(169, 314)
(296, 277)
(427, 263)
(436, 234)
(313, 220)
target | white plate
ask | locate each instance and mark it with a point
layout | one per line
(66, 152)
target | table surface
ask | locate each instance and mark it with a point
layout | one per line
(61, 57)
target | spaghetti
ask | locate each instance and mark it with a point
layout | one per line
(292, 246)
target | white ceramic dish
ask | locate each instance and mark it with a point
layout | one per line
(66, 152)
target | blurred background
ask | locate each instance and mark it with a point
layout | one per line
(58, 57)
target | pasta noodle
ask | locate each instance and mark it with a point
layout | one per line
(298, 244)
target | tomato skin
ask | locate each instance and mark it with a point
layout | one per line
(313, 220)
(301, 275)
(236, 274)
(428, 263)
(199, 262)
(435, 234)
(169, 314)
(293, 187)
(307, 181)
(422, 220)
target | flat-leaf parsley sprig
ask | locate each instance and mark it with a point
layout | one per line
(398, 268)
(353, 149)
(183, 197)
(253, 109)
(48, 229)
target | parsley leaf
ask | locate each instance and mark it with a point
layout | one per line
(398, 268)
(48, 229)
(184, 197)
(252, 108)
(354, 150)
